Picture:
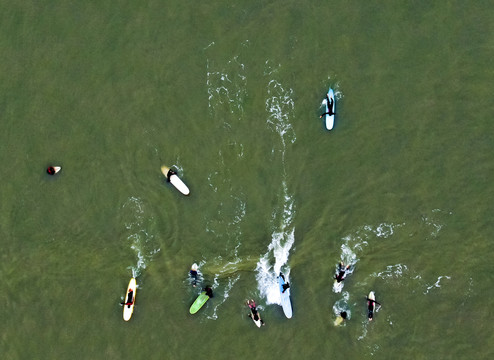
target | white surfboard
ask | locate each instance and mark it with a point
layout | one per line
(129, 309)
(330, 119)
(175, 181)
(285, 297)
(257, 322)
(337, 286)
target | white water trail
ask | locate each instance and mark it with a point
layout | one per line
(279, 106)
(137, 222)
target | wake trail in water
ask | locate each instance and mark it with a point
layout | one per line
(226, 87)
(138, 222)
(279, 106)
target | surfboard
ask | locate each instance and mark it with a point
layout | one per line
(199, 302)
(129, 309)
(330, 119)
(258, 321)
(285, 297)
(338, 321)
(370, 311)
(337, 286)
(175, 181)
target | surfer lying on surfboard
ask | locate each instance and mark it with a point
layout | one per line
(330, 107)
(341, 272)
(130, 299)
(254, 314)
(371, 304)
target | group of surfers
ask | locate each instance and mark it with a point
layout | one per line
(254, 313)
(371, 303)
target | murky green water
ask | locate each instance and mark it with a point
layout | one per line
(229, 94)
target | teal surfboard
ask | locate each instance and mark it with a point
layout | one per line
(199, 302)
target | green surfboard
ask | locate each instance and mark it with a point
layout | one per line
(199, 302)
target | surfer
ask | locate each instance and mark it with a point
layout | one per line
(130, 298)
(209, 291)
(254, 314)
(52, 170)
(370, 308)
(285, 286)
(340, 318)
(341, 272)
(330, 107)
(170, 173)
(193, 274)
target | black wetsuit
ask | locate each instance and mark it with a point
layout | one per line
(170, 173)
(193, 275)
(330, 107)
(209, 292)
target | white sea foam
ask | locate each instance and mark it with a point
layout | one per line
(436, 220)
(342, 305)
(437, 284)
(392, 271)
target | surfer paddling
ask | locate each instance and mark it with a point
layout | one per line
(371, 305)
(340, 318)
(254, 314)
(341, 272)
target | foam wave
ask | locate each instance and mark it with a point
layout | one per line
(342, 305)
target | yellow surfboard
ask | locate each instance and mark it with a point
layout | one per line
(129, 309)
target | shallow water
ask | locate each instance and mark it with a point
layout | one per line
(229, 94)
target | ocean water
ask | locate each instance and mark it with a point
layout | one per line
(229, 94)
